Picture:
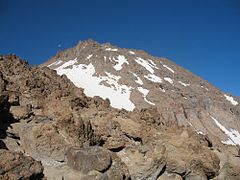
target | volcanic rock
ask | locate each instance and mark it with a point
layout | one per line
(17, 166)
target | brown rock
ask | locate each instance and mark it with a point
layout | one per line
(144, 164)
(16, 166)
(20, 112)
(88, 159)
(13, 99)
(170, 176)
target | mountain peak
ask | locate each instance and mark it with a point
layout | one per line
(88, 42)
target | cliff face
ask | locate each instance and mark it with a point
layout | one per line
(45, 116)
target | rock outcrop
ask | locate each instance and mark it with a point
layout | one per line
(15, 165)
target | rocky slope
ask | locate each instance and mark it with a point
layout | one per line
(72, 136)
(133, 79)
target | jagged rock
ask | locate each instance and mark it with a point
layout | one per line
(229, 165)
(78, 103)
(196, 158)
(20, 112)
(77, 130)
(144, 165)
(16, 166)
(43, 142)
(88, 159)
(13, 99)
(176, 166)
(129, 127)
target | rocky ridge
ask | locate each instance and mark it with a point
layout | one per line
(72, 136)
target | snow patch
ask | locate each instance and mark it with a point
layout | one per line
(131, 52)
(200, 132)
(184, 84)
(145, 93)
(69, 63)
(120, 61)
(168, 79)
(152, 64)
(58, 62)
(145, 64)
(230, 99)
(139, 81)
(163, 90)
(89, 56)
(55, 63)
(170, 69)
(153, 78)
(233, 135)
(110, 49)
(82, 75)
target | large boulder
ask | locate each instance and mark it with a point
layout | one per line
(89, 159)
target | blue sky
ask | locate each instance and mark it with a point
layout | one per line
(203, 36)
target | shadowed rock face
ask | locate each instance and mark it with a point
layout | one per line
(43, 115)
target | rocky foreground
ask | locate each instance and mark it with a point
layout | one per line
(49, 129)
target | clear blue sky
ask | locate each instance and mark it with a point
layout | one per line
(202, 36)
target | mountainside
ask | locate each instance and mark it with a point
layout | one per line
(49, 129)
(133, 79)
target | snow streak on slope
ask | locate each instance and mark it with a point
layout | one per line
(110, 49)
(145, 64)
(233, 135)
(153, 78)
(184, 84)
(168, 79)
(170, 69)
(55, 63)
(131, 52)
(82, 75)
(145, 93)
(139, 81)
(230, 99)
(89, 56)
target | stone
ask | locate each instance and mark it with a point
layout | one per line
(43, 141)
(16, 166)
(88, 159)
(13, 99)
(169, 176)
(146, 165)
(20, 112)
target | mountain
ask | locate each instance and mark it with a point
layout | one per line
(134, 80)
(50, 129)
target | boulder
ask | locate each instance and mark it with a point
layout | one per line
(20, 112)
(144, 162)
(89, 159)
(170, 176)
